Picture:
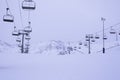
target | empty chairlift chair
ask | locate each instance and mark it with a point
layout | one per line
(28, 5)
(27, 37)
(26, 50)
(112, 31)
(79, 47)
(91, 36)
(105, 37)
(15, 32)
(93, 40)
(80, 43)
(87, 36)
(97, 36)
(28, 29)
(18, 39)
(75, 48)
(8, 17)
(87, 39)
(85, 44)
(27, 44)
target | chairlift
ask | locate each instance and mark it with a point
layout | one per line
(87, 39)
(75, 48)
(27, 44)
(22, 32)
(112, 31)
(79, 47)
(85, 44)
(18, 39)
(105, 37)
(26, 50)
(97, 36)
(27, 37)
(28, 5)
(15, 32)
(91, 36)
(8, 17)
(28, 29)
(87, 36)
(93, 40)
(80, 43)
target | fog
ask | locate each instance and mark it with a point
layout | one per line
(66, 20)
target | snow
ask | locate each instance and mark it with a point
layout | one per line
(17, 66)
(51, 66)
(58, 60)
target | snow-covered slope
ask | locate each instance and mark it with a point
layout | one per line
(5, 47)
(50, 66)
(54, 67)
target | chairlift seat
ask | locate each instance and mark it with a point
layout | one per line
(112, 32)
(26, 48)
(79, 48)
(93, 40)
(105, 38)
(87, 36)
(85, 44)
(8, 18)
(80, 43)
(27, 37)
(91, 37)
(75, 47)
(87, 39)
(18, 40)
(15, 33)
(26, 51)
(22, 32)
(28, 29)
(27, 44)
(97, 37)
(28, 5)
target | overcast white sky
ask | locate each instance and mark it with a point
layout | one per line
(66, 20)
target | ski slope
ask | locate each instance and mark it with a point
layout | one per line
(50, 66)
